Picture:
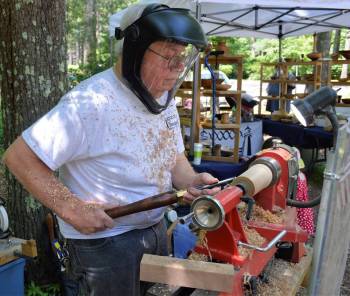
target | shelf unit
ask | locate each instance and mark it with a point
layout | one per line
(335, 83)
(236, 93)
(314, 81)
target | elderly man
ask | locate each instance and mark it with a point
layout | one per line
(115, 139)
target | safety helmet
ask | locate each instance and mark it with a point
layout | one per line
(158, 22)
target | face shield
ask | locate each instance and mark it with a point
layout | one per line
(164, 67)
(158, 51)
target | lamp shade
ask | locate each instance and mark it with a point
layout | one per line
(305, 109)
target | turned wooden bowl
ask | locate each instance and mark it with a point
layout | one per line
(308, 77)
(314, 56)
(345, 54)
(186, 84)
(207, 83)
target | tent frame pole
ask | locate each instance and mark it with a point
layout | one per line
(195, 94)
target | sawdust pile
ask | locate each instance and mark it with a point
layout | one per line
(270, 288)
(201, 241)
(278, 283)
(198, 257)
(254, 238)
(261, 215)
(258, 215)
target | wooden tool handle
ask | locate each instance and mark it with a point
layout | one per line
(153, 202)
(50, 223)
(50, 226)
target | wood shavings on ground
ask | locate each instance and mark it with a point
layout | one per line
(198, 257)
(285, 278)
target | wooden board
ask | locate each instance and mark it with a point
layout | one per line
(187, 273)
(16, 245)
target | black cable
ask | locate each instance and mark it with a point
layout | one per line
(304, 204)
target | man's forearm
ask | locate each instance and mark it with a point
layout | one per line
(38, 179)
(183, 174)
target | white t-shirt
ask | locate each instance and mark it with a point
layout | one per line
(109, 148)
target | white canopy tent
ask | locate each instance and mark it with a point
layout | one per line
(261, 18)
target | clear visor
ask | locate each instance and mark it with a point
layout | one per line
(165, 65)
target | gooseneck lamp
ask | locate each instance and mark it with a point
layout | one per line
(321, 101)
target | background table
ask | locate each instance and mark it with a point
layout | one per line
(221, 170)
(293, 134)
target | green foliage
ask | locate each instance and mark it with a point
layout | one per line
(77, 35)
(317, 174)
(267, 50)
(77, 74)
(45, 290)
(254, 50)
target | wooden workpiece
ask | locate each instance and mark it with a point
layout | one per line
(285, 278)
(187, 273)
(9, 247)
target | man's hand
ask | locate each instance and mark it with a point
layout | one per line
(87, 217)
(200, 180)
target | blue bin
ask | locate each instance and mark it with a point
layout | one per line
(12, 278)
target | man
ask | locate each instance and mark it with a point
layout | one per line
(273, 90)
(115, 139)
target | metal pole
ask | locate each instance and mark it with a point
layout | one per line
(196, 80)
(280, 42)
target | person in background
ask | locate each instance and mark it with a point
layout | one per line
(305, 216)
(273, 90)
(115, 139)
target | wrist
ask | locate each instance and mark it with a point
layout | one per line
(69, 208)
(195, 180)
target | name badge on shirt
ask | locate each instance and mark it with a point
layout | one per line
(171, 121)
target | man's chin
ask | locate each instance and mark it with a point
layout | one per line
(169, 85)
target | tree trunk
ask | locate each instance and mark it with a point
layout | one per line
(90, 33)
(323, 45)
(344, 69)
(33, 78)
(81, 48)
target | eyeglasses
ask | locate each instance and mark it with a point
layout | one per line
(175, 62)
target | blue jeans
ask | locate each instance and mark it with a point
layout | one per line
(111, 265)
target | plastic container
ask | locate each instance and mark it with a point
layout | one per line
(198, 148)
(12, 278)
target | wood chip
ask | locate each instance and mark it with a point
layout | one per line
(198, 257)
(261, 215)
